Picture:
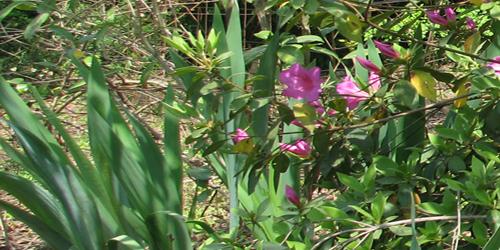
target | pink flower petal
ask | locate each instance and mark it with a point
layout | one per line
(301, 148)
(240, 135)
(302, 83)
(374, 82)
(351, 92)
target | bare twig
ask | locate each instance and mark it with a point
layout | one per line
(456, 231)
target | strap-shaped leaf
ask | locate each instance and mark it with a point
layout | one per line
(53, 238)
(43, 204)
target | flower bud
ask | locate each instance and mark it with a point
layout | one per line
(240, 135)
(292, 196)
(367, 64)
(386, 49)
(470, 23)
(434, 17)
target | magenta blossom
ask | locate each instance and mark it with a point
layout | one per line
(302, 83)
(351, 92)
(470, 23)
(386, 49)
(495, 65)
(240, 135)
(434, 17)
(367, 64)
(292, 196)
(374, 82)
(301, 148)
(450, 14)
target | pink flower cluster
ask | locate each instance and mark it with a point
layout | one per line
(435, 17)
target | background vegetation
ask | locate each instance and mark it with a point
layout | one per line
(178, 125)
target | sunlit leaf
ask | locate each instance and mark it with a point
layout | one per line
(424, 83)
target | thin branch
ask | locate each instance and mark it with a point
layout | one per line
(395, 223)
(432, 106)
(456, 231)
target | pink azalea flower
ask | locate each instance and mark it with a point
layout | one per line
(240, 135)
(302, 83)
(301, 148)
(386, 49)
(450, 14)
(434, 17)
(292, 196)
(374, 82)
(495, 65)
(470, 23)
(351, 92)
(367, 64)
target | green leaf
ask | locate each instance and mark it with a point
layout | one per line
(363, 212)
(177, 229)
(378, 206)
(401, 230)
(335, 213)
(369, 179)
(386, 166)
(424, 84)
(350, 26)
(494, 242)
(35, 25)
(485, 82)
(309, 39)
(38, 200)
(351, 182)
(53, 238)
(265, 86)
(404, 94)
(456, 164)
(123, 242)
(480, 232)
(6, 11)
(291, 54)
(306, 115)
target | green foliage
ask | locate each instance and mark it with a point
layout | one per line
(120, 199)
(407, 159)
